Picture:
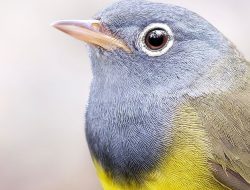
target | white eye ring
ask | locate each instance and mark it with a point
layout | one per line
(165, 48)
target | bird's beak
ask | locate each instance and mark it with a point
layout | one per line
(92, 32)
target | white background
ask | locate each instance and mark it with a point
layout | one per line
(44, 81)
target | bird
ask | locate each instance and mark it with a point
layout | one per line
(169, 102)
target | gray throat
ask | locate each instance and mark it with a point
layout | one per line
(128, 130)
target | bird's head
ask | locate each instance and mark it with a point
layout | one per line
(152, 45)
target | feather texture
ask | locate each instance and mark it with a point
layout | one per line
(226, 118)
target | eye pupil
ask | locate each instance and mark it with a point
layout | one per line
(156, 39)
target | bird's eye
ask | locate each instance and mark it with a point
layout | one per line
(156, 39)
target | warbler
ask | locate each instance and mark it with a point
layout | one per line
(169, 104)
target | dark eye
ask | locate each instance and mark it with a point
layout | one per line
(156, 39)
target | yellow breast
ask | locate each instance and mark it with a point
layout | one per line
(185, 166)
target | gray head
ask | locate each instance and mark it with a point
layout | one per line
(192, 47)
(145, 57)
(197, 48)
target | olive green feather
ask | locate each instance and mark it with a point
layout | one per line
(226, 118)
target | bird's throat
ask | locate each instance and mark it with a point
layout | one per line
(185, 165)
(128, 136)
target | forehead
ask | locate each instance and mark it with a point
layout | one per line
(127, 18)
(138, 12)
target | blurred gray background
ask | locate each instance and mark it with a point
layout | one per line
(44, 83)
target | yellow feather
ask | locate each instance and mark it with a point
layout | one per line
(185, 166)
